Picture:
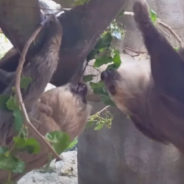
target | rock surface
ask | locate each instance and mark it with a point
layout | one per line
(61, 172)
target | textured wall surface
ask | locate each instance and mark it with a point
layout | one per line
(123, 155)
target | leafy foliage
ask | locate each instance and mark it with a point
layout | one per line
(72, 144)
(99, 88)
(18, 119)
(25, 81)
(3, 100)
(8, 156)
(30, 145)
(105, 53)
(98, 121)
(12, 106)
(88, 78)
(9, 162)
(59, 140)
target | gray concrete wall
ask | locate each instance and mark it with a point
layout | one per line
(123, 155)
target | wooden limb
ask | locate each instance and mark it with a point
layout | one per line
(18, 19)
(82, 27)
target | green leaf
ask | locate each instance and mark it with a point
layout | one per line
(59, 140)
(11, 104)
(30, 145)
(18, 119)
(3, 150)
(116, 59)
(102, 45)
(99, 126)
(101, 60)
(25, 81)
(98, 121)
(11, 163)
(20, 166)
(72, 144)
(3, 100)
(98, 88)
(153, 16)
(104, 41)
(88, 78)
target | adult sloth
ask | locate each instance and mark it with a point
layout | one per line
(151, 93)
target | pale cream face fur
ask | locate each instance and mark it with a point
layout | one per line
(63, 110)
(134, 76)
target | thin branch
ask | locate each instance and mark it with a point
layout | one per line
(19, 94)
(169, 28)
(102, 110)
(126, 49)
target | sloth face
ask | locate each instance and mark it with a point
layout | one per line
(79, 89)
(110, 78)
(127, 83)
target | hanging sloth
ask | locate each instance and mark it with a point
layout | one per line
(151, 93)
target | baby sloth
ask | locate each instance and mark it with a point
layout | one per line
(151, 93)
(63, 108)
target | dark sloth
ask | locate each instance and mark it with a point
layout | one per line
(152, 93)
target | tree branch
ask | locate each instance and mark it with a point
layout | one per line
(81, 29)
(18, 20)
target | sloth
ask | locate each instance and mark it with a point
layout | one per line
(63, 108)
(151, 93)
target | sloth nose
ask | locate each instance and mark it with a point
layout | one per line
(80, 89)
(108, 74)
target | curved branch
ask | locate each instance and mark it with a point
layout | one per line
(19, 94)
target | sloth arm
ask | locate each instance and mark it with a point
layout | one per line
(166, 64)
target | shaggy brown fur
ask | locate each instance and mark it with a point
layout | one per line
(63, 108)
(152, 96)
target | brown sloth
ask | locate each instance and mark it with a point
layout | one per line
(62, 108)
(151, 93)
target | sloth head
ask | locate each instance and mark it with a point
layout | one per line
(128, 82)
(64, 108)
(153, 99)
